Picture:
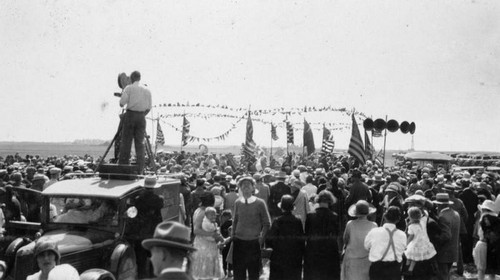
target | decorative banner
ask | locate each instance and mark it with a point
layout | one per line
(192, 138)
(274, 111)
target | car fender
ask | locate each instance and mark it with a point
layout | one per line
(14, 246)
(123, 262)
(97, 274)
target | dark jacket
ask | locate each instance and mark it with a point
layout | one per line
(277, 190)
(449, 220)
(286, 238)
(321, 258)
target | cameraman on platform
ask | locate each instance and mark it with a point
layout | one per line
(138, 100)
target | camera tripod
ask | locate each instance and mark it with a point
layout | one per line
(117, 142)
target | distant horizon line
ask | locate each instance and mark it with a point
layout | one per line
(80, 142)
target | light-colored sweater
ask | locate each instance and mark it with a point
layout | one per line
(250, 219)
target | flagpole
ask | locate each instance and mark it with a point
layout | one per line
(156, 142)
(182, 129)
(385, 137)
(271, 153)
(372, 143)
(286, 123)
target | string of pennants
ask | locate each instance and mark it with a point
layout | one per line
(211, 116)
(223, 136)
(273, 111)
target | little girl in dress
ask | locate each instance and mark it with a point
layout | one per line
(209, 223)
(419, 246)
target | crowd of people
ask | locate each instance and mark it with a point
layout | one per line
(313, 217)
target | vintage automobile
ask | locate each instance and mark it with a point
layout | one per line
(89, 219)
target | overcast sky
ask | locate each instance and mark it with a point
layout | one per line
(435, 63)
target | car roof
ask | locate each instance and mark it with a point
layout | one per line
(97, 187)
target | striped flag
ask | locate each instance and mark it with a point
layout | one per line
(160, 138)
(289, 132)
(328, 142)
(249, 146)
(379, 158)
(356, 148)
(308, 138)
(369, 149)
(185, 131)
(274, 135)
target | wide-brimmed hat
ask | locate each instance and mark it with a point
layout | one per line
(170, 234)
(361, 208)
(488, 205)
(419, 200)
(47, 245)
(442, 198)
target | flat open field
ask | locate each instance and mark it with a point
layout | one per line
(60, 149)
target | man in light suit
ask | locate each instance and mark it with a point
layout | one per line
(169, 247)
(449, 221)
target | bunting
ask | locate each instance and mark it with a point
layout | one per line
(160, 138)
(274, 135)
(185, 131)
(356, 148)
(308, 138)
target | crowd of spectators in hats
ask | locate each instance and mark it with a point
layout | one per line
(327, 220)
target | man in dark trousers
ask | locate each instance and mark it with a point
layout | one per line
(449, 220)
(138, 100)
(149, 207)
(170, 247)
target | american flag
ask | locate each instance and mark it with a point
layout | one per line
(274, 135)
(160, 138)
(379, 158)
(185, 131)
(289, 133)
(249, 146)
(369, 149)
(328, 142)
(356, 148)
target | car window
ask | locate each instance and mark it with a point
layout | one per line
(78, 210)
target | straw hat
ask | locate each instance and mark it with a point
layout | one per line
(361, 208)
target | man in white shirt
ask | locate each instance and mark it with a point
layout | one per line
(138, 100)
(386, 245)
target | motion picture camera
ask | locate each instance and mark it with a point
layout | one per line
(123, 81)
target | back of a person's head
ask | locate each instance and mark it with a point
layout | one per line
(393, 214)
(135, 76)
(309, 179)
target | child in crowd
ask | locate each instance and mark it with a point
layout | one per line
(419, 246)
(209, 223)
(226, 221)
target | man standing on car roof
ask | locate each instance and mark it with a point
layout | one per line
(138, 100)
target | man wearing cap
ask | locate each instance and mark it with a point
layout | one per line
(449, 220)
(138, 100)
(170, 247)
(277, 190)
(250, 225)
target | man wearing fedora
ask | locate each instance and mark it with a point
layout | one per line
(169, 247)
(449, 220)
